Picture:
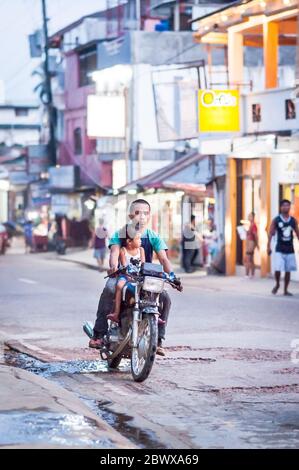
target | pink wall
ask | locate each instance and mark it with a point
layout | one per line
(75, 115)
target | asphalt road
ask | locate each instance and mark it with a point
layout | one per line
(230, 378)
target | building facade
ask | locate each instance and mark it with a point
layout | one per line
(263, 158)
(19, 128)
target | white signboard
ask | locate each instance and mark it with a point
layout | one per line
(106, 116)
(287, 168)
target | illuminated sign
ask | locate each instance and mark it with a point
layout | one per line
(218, 111)
(106, 116)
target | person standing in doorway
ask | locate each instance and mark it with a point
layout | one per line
(251, 245)
(284, 227)
(98, 242)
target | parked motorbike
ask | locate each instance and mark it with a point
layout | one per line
(136, 336)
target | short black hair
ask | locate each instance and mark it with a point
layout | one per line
(140, 201)
(128, 233)
(285, 201)
(192, 218)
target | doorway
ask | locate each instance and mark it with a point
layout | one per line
(248, 200)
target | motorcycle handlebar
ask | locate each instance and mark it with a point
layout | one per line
(175, 282)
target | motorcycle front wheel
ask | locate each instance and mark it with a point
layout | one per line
(143, 357)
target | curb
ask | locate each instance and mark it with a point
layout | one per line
(35, 394)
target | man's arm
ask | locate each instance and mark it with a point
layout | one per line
(113, 259)
(122, 257)
(271, 235)
(162, 257)
(297, 229)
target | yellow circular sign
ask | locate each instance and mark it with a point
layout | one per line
(208, 98)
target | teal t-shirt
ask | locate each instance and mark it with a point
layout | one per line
(151, 242)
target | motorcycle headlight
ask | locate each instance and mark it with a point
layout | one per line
(153, 284)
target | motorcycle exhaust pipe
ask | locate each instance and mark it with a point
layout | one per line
(88, 329)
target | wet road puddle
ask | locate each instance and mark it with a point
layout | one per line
(52, 369)
(33, 427)
(21, 428)
(123, 424)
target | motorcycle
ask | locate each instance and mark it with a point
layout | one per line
(136, 335)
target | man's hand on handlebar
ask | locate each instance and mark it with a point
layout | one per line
(112, 270)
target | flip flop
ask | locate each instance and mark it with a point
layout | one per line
(288, 294)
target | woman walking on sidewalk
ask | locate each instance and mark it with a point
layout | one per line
(251, 245)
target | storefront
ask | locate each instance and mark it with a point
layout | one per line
(257, 185)
(248, 189)
(189, 186)
(4, 188)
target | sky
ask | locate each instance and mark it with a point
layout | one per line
(18, 19)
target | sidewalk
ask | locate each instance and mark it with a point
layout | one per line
(198, 279)
(85, 258)
(36, 413)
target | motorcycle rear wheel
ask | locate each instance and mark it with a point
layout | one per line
(143, 357)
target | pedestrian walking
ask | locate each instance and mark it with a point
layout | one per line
(28, 236)
(251, 244)
(283, 226)
(210, 242)
(190, 246)
(99, 243)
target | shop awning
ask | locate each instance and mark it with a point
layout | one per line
(189, 173)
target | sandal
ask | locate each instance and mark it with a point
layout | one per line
(113, 317)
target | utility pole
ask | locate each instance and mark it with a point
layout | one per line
(176, 14)
(49, 102)
(138, 15)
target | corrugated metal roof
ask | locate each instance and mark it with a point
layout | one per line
(159, 178)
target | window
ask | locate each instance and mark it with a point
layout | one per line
(78, 141)
(87, 65)
(21, 112)
(290, 109)
(256, 113)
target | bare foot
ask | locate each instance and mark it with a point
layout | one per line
(288, 294)
(275, 290)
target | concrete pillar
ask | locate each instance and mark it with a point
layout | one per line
(231, 217)
(235, 57)
(265, 215)
(271, 42)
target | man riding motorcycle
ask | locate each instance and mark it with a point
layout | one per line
(140, 212)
